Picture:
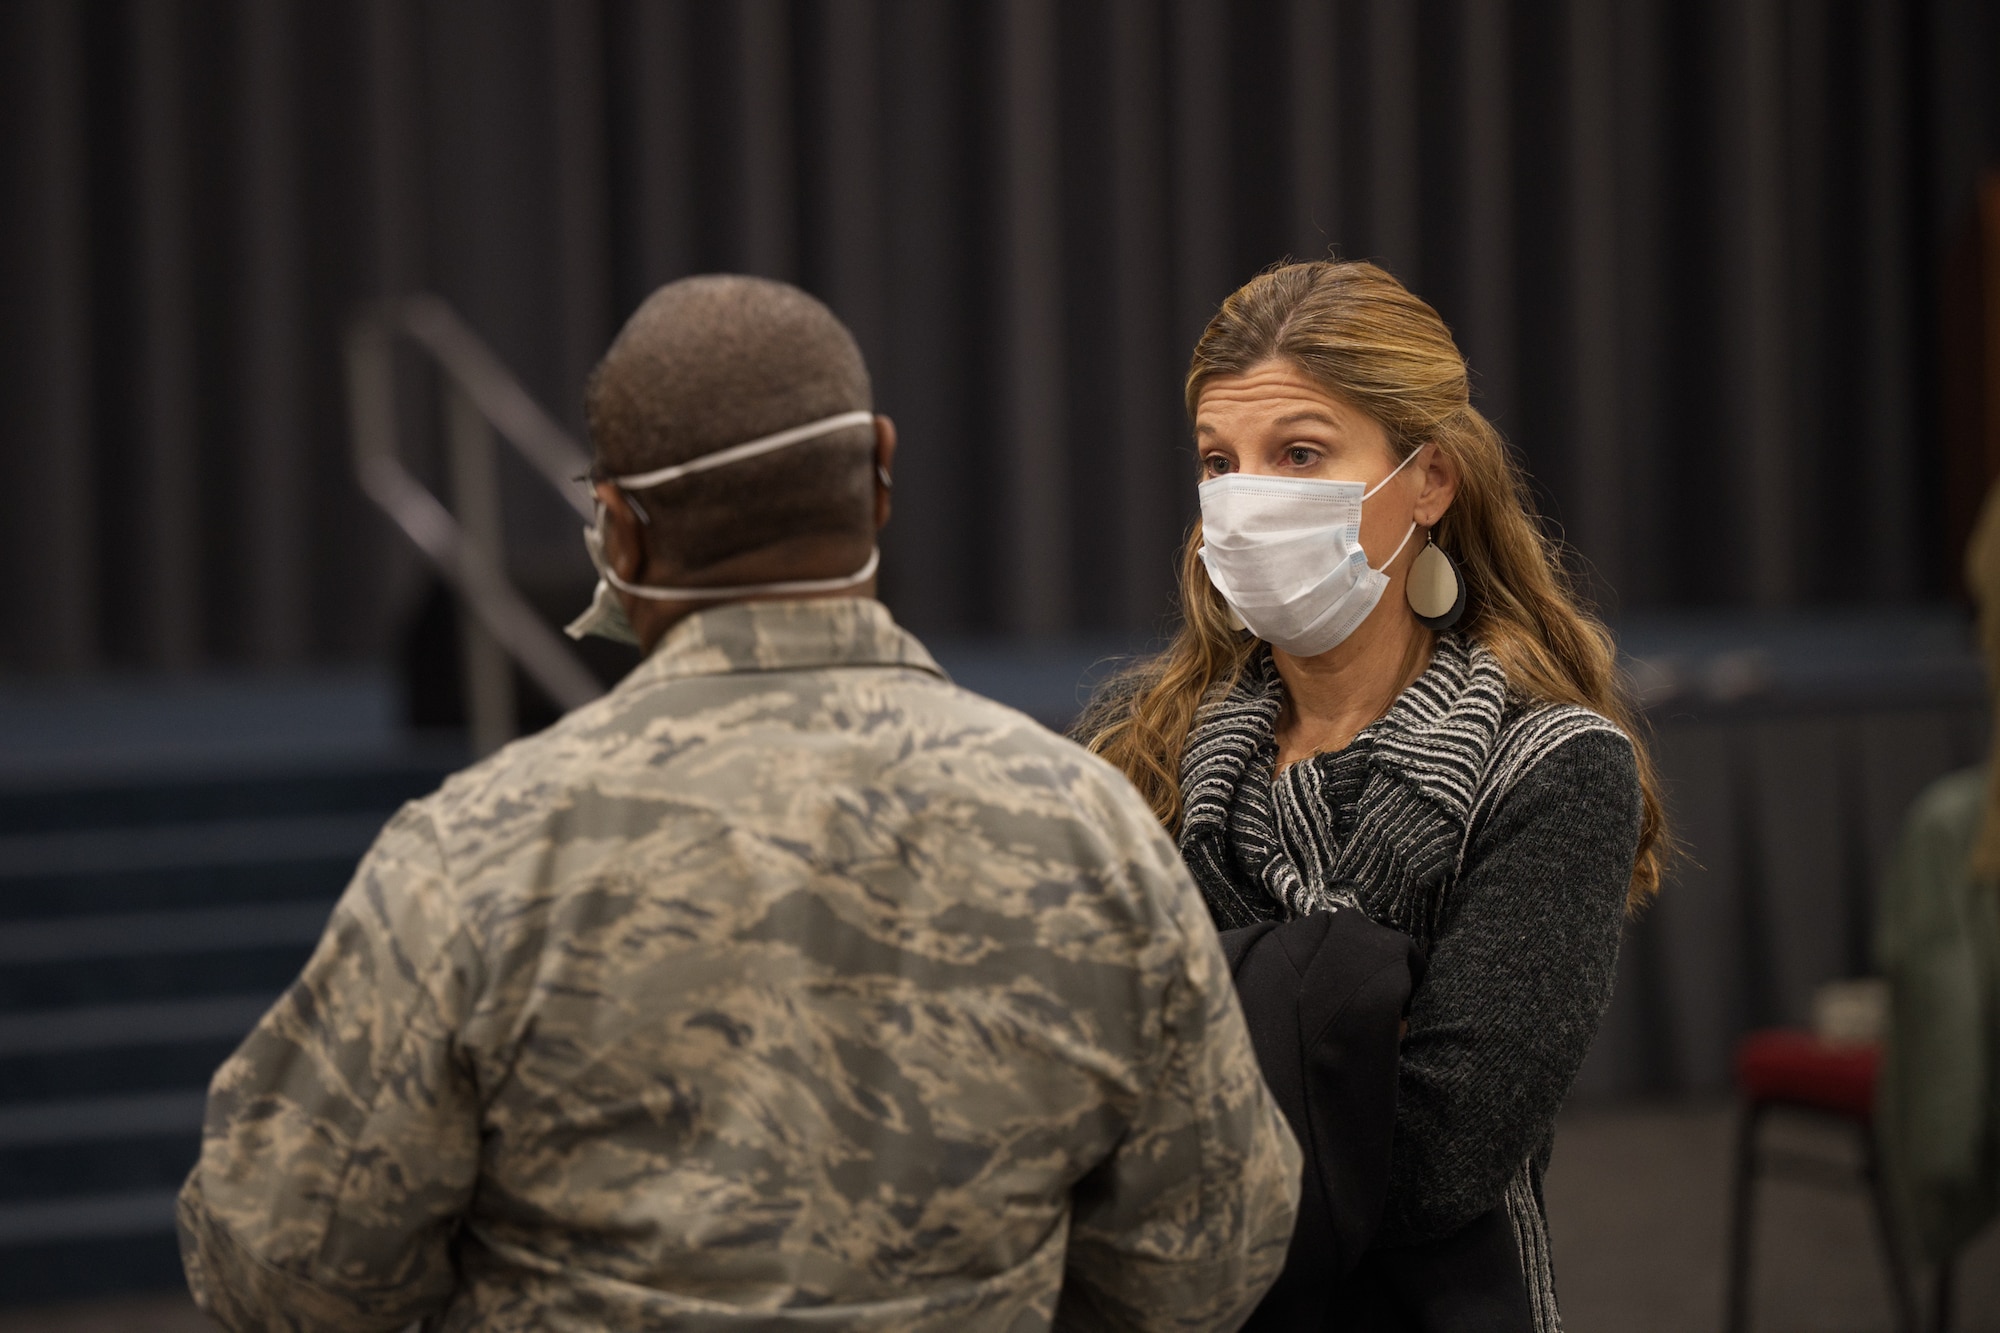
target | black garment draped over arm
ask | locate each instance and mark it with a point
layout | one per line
(1323, 997)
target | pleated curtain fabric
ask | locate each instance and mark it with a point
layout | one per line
(1691, 248)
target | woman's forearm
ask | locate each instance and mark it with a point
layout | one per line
(1518, 980)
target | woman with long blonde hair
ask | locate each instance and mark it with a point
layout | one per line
(1384, 697)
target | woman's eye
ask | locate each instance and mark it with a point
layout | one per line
(1300, 457)
(1215, 465)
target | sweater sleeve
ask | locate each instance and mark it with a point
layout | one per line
(1520, 975)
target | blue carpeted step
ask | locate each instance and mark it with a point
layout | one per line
(89, 1247)
(164, 978)
(342, 785)
(102, 1166)
(314, 878)
(104, 1049)
(145, 925)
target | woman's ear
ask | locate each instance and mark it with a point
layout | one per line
(1438, 473)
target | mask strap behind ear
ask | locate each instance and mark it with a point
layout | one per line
(736, 453)
(1408, 459)
(1399, 549)
(725, 592)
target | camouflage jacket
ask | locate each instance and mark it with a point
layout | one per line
(788, 985)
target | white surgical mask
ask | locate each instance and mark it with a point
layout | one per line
(606, 617)
(1285, 553)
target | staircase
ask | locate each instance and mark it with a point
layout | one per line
(146, 922)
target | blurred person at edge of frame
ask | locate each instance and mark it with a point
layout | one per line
(785, 986)
(1385, 701)
(1937, 942)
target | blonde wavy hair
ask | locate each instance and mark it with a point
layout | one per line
(1363, 338)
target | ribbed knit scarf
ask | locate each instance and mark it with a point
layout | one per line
(1383, 820)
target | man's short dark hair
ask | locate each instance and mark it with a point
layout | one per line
(712, 361)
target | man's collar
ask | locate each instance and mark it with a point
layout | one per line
(802, 635)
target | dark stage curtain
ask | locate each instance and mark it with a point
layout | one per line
(1690, 245)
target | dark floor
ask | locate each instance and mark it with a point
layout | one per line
(1636, 1201)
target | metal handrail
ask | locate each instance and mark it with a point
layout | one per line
(486, 399)
(475, 369)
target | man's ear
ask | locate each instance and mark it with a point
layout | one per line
(885, 468)
(624, 540)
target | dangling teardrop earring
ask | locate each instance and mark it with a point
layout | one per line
(1435, 589)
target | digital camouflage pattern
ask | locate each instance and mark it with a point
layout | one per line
(787, 985)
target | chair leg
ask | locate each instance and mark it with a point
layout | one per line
(1736, 1315)
(1902, 1288)
(1941, 1309)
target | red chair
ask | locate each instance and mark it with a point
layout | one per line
(1796, 1071)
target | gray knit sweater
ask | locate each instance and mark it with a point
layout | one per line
(1497, 831)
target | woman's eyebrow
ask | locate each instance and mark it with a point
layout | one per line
(1310, 414)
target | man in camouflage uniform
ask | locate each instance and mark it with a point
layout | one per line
(787, 985)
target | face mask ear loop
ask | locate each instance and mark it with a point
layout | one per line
(728, 592)
(1392, 476)
(638, 510)
(1399, 549)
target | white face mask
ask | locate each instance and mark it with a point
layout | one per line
(1285, 553)
(606, 617)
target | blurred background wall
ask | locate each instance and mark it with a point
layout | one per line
(1692, 250)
